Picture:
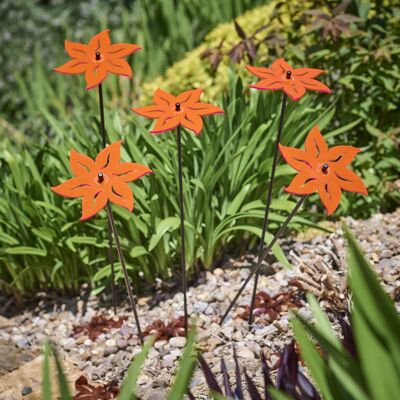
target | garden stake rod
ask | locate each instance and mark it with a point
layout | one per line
(110, 242)
(122, 259)
(182, 219)
(256, 267)
(269, 197)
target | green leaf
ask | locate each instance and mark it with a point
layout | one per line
(26, 250)
(128, 390)
(46, 380)
(186, 369)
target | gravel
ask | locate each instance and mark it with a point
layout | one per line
(319, 266)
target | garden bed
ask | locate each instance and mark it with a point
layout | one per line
(103, 351)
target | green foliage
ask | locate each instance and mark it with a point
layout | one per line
(225, 174)
(374, 371)
(362, 63)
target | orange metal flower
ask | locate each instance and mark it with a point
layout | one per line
(97, 59)
(294, 82)
(322, 169)
(101, 180)
(184, 109)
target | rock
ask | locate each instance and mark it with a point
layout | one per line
(122, 344)
(26, 390)
(168, 361)
(178, 342)
(200, 306)
(245, 353)
(69, 344)
(111, 343)
(110, 350)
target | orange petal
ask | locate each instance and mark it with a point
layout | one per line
(166, 123)
(153, 111)
(205, 109)
(163, 98)
(302, 184)
(119, 66)
(295, 90)
(315, 144)
(193, 122)
(92, 203)
(122, 49)
(73, 67)
(280, 67)
(189, 97)
(80, 164)
(342, 155)
(261, 72)
(121, 194)
(317, 86)
(75, 50)
(307, 72)
(95, 75)
(109, 157)
(100, 42)
(273, 83)
(74, 187)
(350, 181)
(298, 159)
(330, 194)
(128, 171)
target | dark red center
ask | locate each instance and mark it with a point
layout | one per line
(97, 55)
(325, 168)
(100, 177)
(177, 106)
(288, 74)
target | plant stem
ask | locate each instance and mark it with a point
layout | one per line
(265, 252)
(268, 202)
(110, 242)
(182, 218)
(126, 276)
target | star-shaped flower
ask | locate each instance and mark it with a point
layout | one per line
(97, 59)
(294, 82)
(184, 109)
(322, 170)
(101, 180)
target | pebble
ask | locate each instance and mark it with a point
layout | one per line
(178, 342)
(110, 350)
(168, 361)
(122, 344)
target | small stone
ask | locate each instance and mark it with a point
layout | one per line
(110, 350)
(26, 390)
(111, 343)
(122, 344)
(244, 352)
(68, 344)
(218, 271)
(168, 361)
(177, 342)
(200, 306)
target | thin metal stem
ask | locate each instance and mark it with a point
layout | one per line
(125, 271)
(265, 252)
(182, 218)
(110, 241)
(268, 202)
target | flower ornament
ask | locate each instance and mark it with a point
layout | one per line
(101, 180)
(171, 111)
(97, 59)
(293, 82)
(323, 170)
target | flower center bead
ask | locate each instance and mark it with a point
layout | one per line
(288, 74)
(325, 169)
(98, 55)
(177, 106)
(100, 177)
